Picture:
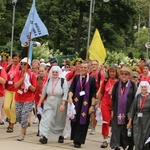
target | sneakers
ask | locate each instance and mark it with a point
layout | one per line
(20, 138)
(104, 144)
(2, 122)
(92, 131)
(36, 121)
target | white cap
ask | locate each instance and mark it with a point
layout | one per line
(48, 64)
(26, 60)
(41, 60)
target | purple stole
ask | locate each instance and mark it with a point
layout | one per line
(85, 104)
(122, 102)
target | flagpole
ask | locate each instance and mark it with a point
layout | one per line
(13, 23)
(29, 47)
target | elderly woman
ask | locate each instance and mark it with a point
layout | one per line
(140, 116)
(123, 94)
(25, 82)
(106, 103)
(54, 113)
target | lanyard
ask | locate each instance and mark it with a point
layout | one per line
(142, 102)
(54, 85)
(87, 79)
(123, 89)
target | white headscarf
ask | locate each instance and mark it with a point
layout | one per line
(56, 68)
(143, 83)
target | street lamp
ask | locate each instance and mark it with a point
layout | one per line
(106, 1)
(139, 26)
(13, 21)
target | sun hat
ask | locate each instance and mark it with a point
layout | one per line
(26, 60)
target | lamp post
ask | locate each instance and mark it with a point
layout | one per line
(148, 43)
(13, 21)
(92, 4)
(139, 26)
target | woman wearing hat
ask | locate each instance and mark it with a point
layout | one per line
(123, 94)
(25, 83)
(140, 117)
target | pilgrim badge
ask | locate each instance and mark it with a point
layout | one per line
(10, 82)
(82, 93)
(52, 97)
(20, 91)
(140, 114)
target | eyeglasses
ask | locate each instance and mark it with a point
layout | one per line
(24, 64)
(124, 74)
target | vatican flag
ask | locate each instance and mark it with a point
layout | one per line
(96, 49)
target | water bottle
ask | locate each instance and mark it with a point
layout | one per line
(129, 133)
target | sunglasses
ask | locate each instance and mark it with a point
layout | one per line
(124, 74)
(24, 64)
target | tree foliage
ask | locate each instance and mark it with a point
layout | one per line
(67, 23)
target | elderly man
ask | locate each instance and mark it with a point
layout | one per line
(82, 94)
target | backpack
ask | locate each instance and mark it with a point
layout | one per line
(62, 81)
(99, 76)
(8, 68)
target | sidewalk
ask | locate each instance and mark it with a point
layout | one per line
(31, 142)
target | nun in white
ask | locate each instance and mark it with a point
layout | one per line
(139, 117)
(54, 114)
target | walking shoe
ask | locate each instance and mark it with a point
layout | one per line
(36, 121)
(43, 140)
(20, 138)
(92, 131)
(61, 139)
(104, 144)
(2, 122)
(77, 145)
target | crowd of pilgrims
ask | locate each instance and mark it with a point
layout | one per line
(67, 99)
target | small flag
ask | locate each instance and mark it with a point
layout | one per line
(96, 49)
(33, 26)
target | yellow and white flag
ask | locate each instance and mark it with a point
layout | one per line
(96, 49)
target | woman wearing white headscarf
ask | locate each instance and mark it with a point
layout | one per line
(54, 113)
(139, 117)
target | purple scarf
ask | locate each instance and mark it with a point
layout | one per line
(84, 109)
(122, 102)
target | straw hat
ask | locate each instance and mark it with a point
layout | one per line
(125, 69)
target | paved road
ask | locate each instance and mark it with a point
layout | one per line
(31, 142)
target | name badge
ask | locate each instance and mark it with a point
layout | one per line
(52, 97)
(82, 93)
(10, 82)
(140, 114)
(20, 91)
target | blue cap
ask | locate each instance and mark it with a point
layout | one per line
(53, 60)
